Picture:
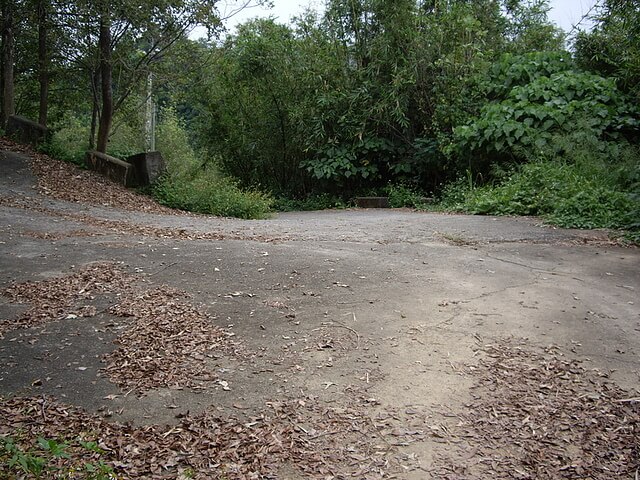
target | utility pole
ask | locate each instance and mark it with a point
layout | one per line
(150, 117)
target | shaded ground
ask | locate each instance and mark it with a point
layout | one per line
(336, 344)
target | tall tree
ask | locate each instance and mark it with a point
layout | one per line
(612, 47)
(106, 86)
(8, 60)
(139, 38)
(43, 60)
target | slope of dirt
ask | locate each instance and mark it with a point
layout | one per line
(336, 344)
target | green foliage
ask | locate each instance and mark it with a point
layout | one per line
(366, 95)
(173, 142)
(401, 195)
(529, 28)
(197, 186)
(54, 459)
(203, 190)
(17, 460)
(583, 188)
(69, 141)
(372, 93)
(520, 70)
(256, 101)
(612, 47)
(322, 201)
(530, 114)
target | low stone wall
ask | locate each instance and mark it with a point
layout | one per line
(26, 131)
(111, 167)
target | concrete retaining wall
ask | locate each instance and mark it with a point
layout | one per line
(26, 131)
(113, 168)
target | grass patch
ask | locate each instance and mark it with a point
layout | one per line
(404, 196)
(203, 190)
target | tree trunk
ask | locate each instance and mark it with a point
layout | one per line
(8, 47)
(95, 108)
(106, 113)
(43, 62)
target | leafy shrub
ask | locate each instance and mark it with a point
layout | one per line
(404, 196)
(557, 191)
(203, 190)
(532, 114)
(321, 201)
(520, 70)
(593, 185)
(538, 104)
(196, 186)
(54, 459)
(69, 141)
(453, 195)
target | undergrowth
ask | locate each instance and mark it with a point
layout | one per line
(196, 186)
(53, 459)
(401, 195)
(201, 189)
(188, 184)
(579, 182)
(322, 201)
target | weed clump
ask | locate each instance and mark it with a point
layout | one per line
(578, 182)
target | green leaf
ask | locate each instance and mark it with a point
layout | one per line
(547, 124)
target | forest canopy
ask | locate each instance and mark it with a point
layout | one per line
(484, 104)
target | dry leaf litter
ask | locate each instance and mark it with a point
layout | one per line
(319, 442)
(65, 181)
(62, 297)
(540, 415)
(168, 342)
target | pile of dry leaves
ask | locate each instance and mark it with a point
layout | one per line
(316, 441)
(168, 344)
(65, 181)
(538, 415)
(69, 296)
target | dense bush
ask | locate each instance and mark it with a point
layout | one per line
(401, 195)
(197, 186)
(540, 104)
(320, 201)
(69, 140)
(202, 190)
(592, 184)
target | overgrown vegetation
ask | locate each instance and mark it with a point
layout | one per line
(397, 98)
(196, 185)
(51, 458)
(575, 181)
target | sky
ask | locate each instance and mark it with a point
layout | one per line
(564, 13)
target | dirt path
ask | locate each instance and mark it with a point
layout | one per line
(369, 318)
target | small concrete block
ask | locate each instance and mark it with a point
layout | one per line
(149, 166)
(372, 202)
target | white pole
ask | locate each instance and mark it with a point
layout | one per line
(149, 123)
